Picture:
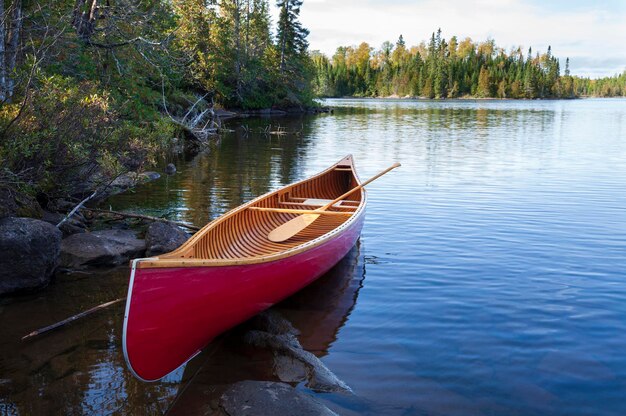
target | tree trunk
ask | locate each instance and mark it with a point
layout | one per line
(85, 22)
(283, 41)
(13, 44)
(3, 70)
(238, 63)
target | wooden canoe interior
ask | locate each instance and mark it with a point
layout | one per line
(243, 234)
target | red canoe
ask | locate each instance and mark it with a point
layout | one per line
(229, 270)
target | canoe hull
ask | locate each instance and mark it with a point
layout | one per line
(172, 313)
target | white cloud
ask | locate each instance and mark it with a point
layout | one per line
(591, 36)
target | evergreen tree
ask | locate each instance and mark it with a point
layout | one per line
(294, 67)
(439, 69)
(291, 35)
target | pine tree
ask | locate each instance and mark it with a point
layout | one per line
(291, 36)
(294, 63)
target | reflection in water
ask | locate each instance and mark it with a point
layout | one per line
(79, 369)
(495, 268)
(234, 170)
(318, 312)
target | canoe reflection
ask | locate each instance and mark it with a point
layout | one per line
(318, 312)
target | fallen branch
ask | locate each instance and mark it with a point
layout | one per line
(191, 125)
(84, 201)
(71, 319)
(77, 207)
(142, 217)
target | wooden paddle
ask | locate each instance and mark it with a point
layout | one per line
(295, 225)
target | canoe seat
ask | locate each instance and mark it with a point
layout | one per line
(320, 202)
(317, 202)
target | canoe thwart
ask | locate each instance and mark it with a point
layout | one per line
(300, 211)
(296, 225)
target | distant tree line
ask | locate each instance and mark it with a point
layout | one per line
(614, 86)
(451, 68)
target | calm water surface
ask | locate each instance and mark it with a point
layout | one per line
(490, 277)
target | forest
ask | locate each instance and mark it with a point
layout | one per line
(451, 68)
(90, 89)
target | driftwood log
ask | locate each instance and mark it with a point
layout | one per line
(142, 217)
(71, 319)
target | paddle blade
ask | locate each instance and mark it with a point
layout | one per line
(291, 227)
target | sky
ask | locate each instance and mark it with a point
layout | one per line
(591, 33)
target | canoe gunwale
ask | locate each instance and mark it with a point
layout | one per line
(158, 262)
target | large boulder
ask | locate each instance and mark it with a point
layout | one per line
(251, 398)
(29, 253)
(163, 238)
(100, 248)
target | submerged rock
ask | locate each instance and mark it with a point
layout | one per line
(146, 177)
(170, 169)
(269, 398)
(100, 248)
(291, 362)
(29, 253)
(163, 238)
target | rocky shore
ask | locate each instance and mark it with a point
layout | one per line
(38, 240)
(269, 373)
(33, 249)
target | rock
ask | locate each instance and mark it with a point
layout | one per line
(163, 238)
(274, 323)
(289, 369)
(126, 181)
(269, 398)
(29, 253)
(100, 248)
(17, 204)
(146, 177)
(291, 362)
(59, 205)
(69, 227)
(170, 169)
(134, 160)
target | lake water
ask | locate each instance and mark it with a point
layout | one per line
(490, 277)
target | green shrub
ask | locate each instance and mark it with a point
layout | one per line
(70, 132)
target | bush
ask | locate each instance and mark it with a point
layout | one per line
(69, 132)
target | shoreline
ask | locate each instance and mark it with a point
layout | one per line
(463, 98)
(226, 113)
